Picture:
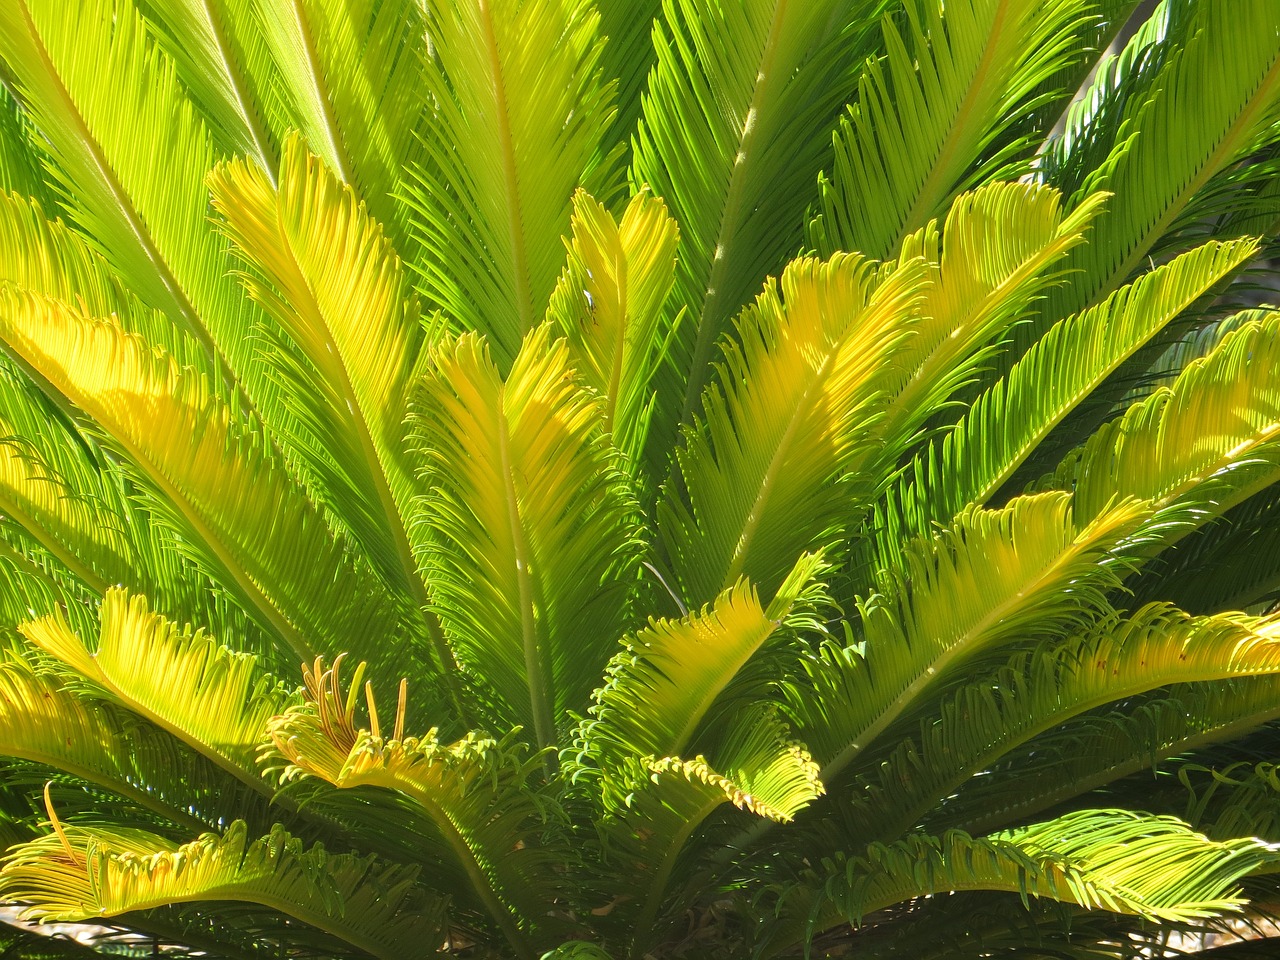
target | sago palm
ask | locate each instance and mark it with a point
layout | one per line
(621, 479)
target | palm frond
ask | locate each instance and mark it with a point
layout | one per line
(733, 133)
(812, 357)
(1115, 860)
(211, 463)
(19, 155)
(520, 113)
(926, 118)
(217, 700)
(629, 56)
(81, 872)
(608, 304)
(1003, 426)
(526, 538)
(993, 576)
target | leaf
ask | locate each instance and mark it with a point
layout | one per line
(928, 119)
(216, 700)
(80, 872)
(212, 463)
(520, 114)
(1003, 426)
(527, 537)
(608, 304)
(774, 466)
(733, 133)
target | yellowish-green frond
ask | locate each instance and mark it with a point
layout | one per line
(217, 700)
(526, 538)
(81, 873)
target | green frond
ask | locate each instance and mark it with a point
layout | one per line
(1155, 867)
(20, 158)
(475, 791)
(225, 484)
(1207, 108)
(1033, 568)
(981, 722)
(81, 67)
(217, 49)
(608, 304)
(628, 57)
(80, 872)
(45, 720)
(772, 469)
(352, 79)
(527, 537)
(1194, 448)
(216, 700)
(733, 133)
(1004, 425)
(992, 260)
(1098, 750)
(336, 287)
(927, 117)
(520, 113)
(663, 683)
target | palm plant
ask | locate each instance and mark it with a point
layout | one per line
(611, 479)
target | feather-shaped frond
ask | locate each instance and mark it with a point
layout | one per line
(628, 57)
(227, 487)
(1155, 867)
(477, 793)
(1003, 426)
(527, 532)
(520, 113)
(336, 287)
(1194, 448)
(1104, 747)
(1031, 568)
(216, 700)
(48, 721)
(1207, 110)
(217, 48)
(927, 116)
(608, 304)
(772, 470)
(79, 872)
(662, 685)
(733, 133)
(351, 78)
(19, 154)
(83, 66)
(993, 258)
(1036, 691)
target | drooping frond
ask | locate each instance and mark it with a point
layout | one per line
(1206, 111)
(477, 793)
(215, 699)
(1003, 426)
(526, 536)
(1195, 447)
(1115, 860)
(45, 720)
(1031, 568)
(733, 133)
(520, 110)
(608, 304)
(352, 79)
(772, 469)
(79, 872)
(1117, 659)
(927, 117)
(227, 487)
(1103, 747)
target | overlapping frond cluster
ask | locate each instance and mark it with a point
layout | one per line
(796, 468)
